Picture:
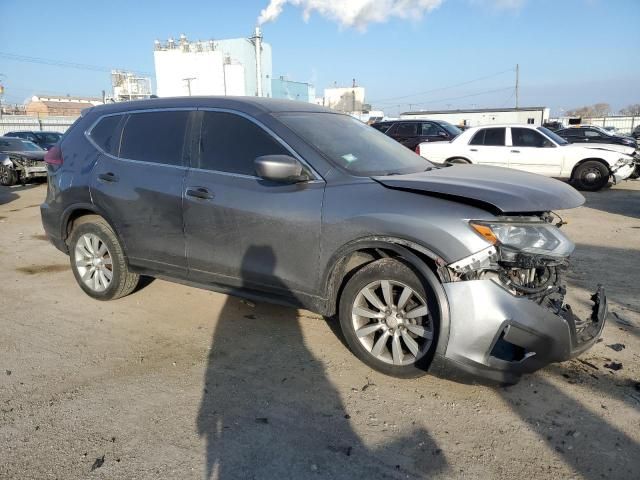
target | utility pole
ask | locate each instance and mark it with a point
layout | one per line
(517, 85)
(189, 80)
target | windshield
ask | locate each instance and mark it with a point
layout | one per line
(48, 137)
(604, 130)
(553, 136)
(18, 145)
(353, 145)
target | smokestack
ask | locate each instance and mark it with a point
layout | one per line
(258, 44)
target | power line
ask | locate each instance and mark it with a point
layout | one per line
(385, 100)
(456, 98)
(61, 63)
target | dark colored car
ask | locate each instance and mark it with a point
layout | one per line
(425, 267)
(591, 135)
(20, 160)
(636, 132)
(553, 126)
(412, 133)
(45, 140)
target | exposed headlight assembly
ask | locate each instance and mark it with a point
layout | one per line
(538, 238)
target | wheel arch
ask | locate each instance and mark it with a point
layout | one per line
(460, 157)
(590, 159)
(349, 258)
(72, 213)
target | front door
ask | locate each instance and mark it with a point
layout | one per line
(241, 230)
(533, 152)
(139, 186)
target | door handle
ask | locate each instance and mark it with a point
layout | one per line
(473, 149)
(199, 192)
(515, 151)
(108, 177)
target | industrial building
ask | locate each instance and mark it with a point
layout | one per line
(485, 116)
(44, 105)
(129, 86)
(344, 99)
(236, 66)
(282, 87)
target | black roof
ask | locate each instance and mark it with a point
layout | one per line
(249, 105)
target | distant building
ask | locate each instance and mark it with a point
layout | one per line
(213, 67)
(44, 105)
(129, 86)
(485, 116)
(344, 99)
(282, 87)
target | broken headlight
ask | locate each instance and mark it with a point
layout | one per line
(538, 238)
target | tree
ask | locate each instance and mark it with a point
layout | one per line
(633, 109)
(597, 110)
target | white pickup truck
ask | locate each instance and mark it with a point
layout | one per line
(532, 149)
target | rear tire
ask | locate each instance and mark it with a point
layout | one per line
(8, 176)
(590, 176)
(98, 260)
(458, 161)
(389, 318)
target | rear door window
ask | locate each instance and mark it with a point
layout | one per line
(156, 137)
(489, 137)
(230, 143)
(407, 129)
(104, 134)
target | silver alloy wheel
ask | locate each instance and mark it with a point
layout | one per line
(93, 262)
(391, 321)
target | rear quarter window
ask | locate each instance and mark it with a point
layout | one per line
(104, 134)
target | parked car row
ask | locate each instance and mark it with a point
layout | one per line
(45, 140)
(532, 149)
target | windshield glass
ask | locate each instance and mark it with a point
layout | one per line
(452, 129)
(353, 145)
(49, 137)
(553, 136)
(604, 130)
(18, 145)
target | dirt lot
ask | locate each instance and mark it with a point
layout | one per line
(176, 382)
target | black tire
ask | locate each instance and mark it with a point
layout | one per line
(395, 271)
(458, 161)
(636, 173)
(123, 282)
(590, 176)
(8, 176)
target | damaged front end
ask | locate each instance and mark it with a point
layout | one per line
(507, 301)
(20, 168)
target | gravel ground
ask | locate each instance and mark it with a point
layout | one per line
(177, 382)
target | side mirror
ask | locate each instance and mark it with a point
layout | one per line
(443, 135)
(279, 168)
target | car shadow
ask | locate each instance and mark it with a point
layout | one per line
(268, 409)
(618, 201)
(581, 437)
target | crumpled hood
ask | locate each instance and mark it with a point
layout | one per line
(31, 155)
(509, 191)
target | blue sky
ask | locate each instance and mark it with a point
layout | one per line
(571, 52)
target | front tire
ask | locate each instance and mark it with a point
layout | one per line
(389, 318)
(590, 176)
(8, 176)
(98, 261)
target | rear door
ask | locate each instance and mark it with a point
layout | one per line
(138, 182)
(240, 229)
(407, 133)
(533, 152)
(488, 147)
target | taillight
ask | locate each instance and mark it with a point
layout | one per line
(53, 156)
(418, 149)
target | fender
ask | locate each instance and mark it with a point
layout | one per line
(66, 214)
(402, 248)
(6, 161)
